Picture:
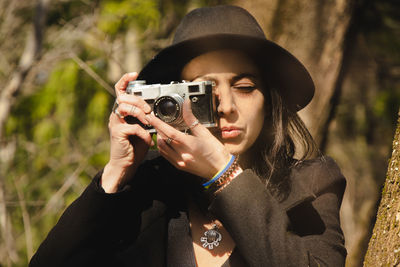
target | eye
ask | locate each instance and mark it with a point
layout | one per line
(244, 83)
(245, 86)
(248, 87)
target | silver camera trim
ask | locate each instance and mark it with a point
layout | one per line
(153, 92)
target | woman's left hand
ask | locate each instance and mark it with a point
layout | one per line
(201, 153)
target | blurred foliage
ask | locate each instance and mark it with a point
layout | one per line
(117, 16)
(58, 125)
(370, 109)
(381, 29)
(58, 130)
(362, 131)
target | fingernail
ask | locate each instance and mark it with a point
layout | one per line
(147, 109)
(152, 143)
(132, 74)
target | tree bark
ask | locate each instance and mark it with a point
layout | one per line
(327, 37)
(314, 31)
(384, 245)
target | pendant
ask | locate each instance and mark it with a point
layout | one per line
(211, 237)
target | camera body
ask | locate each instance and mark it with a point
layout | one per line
(166, 101)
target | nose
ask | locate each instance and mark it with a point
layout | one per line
(224, 98)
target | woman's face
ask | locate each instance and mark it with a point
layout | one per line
(240, 103)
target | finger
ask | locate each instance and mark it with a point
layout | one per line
(125, 130)
(166, 129)
(166, 150)
(132, 110)
(166, 140)
(197, 129)
(115, 119)
(116, 124)
(134, 100)
(120, 86)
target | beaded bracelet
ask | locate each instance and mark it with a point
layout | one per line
(222, 172)
(225, 179)
(222, 183)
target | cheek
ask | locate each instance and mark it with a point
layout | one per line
(252, 108)
(257, 123)
(258, 118)
(259, 110)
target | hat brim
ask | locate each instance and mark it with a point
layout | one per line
(281, 68)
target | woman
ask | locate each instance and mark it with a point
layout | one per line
(227, 196)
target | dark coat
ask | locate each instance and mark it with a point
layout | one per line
(133, 227)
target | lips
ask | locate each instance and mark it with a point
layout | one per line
(230, 132)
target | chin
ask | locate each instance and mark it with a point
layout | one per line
(234, 149)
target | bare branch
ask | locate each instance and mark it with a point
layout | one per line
(9, 250)
(36, 203)
(25, 218)
(29, 56)
(7, 95)
(92, 74)
(56, 198)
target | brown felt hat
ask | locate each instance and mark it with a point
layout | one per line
(231, 27)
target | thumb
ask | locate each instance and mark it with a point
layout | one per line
(190, 120)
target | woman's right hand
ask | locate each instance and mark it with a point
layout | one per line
(129, 142)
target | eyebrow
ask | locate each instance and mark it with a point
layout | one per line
(233, 79)
(244, 75)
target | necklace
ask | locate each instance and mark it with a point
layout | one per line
(211, 237)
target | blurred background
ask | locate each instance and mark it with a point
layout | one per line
(60, 59)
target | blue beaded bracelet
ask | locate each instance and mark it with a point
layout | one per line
(220, 173)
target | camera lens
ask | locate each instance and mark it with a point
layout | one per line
(168, 108)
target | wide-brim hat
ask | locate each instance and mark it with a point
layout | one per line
(231, 27)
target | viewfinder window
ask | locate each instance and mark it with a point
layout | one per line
(194, 88)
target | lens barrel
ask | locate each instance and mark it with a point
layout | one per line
(169, 108)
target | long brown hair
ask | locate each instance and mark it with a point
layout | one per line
(283, 137)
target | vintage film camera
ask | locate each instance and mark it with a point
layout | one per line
(166, 101)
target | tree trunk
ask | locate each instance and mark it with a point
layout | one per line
(314, 31)
(384, 246)
(328, 37)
